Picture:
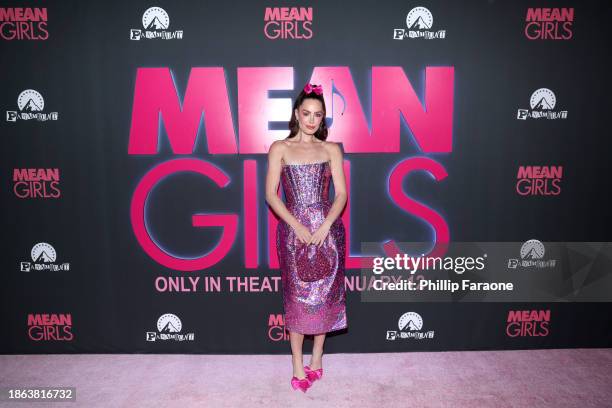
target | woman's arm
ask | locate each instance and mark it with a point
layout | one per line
(272, 181)
(339, 183)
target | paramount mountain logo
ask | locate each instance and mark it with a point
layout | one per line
(542, 103)
(30, 104)
(155, 22)
(419, 21)
(419, 24)
(410, 325)
(532, 255)
(43, 258)
(169, 327)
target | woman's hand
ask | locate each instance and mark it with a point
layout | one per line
(302, 233)
(320, 234)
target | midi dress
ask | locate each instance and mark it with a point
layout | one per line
(312, 277)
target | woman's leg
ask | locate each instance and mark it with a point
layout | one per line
(317, 352)
(297, 340)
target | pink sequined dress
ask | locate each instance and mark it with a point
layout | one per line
(314, 298)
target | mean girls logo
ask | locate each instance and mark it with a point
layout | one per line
(282, 23)
(528, 323)
(539, 180)
(276, 328)
(18, 23)
(50, 327)
(205, 109)
(549, 23)
(36, 183)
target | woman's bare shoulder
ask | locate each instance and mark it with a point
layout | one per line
(284, 142)
(331, 147)
(280, 143)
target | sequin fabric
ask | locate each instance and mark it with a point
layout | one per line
(314, 297)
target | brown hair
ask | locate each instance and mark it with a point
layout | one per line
(294, 127)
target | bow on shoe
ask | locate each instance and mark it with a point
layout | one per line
(300, 384)
(313, 375)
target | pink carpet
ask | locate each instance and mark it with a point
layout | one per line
(536, 378)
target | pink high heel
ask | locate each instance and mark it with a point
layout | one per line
(313, 375)
(302, 384)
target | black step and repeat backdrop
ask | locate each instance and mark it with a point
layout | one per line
(135, 139)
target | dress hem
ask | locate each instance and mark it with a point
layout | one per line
(323, 332)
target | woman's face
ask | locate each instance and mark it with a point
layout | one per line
(310, 115)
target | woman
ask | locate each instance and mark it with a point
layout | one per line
(310, 236)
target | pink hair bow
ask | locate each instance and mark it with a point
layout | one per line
(318, 89)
